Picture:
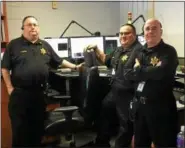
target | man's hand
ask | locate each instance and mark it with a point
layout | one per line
(10, 90)
(137, 63)
(80, 66)
(90, 48)
(159, 63)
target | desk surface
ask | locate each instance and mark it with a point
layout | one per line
(76, 74)
(180, 80)
(180, 74)
(179, 106)
(67, 74)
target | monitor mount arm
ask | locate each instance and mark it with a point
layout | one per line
(72, 22)
(140, 16)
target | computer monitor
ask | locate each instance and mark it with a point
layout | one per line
(141, 39)
(111, 43)
(59, 45)
(79, 43)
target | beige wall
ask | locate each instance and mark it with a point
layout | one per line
(105, 17)
(171, 15)
(95, 16)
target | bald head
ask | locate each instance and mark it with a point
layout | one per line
(152, 32)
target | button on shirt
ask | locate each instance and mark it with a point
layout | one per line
(29, 62)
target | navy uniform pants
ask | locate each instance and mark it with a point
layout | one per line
(115, 111)
(157, 123)
(27, 114)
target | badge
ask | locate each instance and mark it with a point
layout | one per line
(140, 86)
(154, 61)
(124, 58)
(43, 51)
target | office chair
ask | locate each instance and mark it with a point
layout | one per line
(90, 59)
(96, 89)
(69, 120)
(63, 120)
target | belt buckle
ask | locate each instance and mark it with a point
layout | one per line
(143, 100)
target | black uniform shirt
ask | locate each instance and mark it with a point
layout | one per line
(118, 60)
(158, 80)
(29, 62)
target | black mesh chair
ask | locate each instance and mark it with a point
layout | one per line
(64, 120)
(96, 89)
(90, 59)
(69, 120)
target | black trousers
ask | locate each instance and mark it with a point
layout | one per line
(156, 123)
(27, 114)
(115, 114)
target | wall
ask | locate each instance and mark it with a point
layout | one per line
(137, 8)
(105, 17)
(95, 16)
(171, 15)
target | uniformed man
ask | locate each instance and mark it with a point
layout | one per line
(29, 59)
(155, 68)
(116, 103)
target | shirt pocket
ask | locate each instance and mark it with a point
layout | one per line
(20, 57)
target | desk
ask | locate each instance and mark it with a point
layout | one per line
(74, 85)
(180, 74)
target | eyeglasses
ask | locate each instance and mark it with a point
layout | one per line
(30, 25)
(124, 33)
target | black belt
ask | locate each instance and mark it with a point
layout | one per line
(31, 87)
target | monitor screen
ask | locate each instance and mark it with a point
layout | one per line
(79, 43)
(111, 43)
(59, 45)
(141, 39)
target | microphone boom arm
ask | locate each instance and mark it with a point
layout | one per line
(78, 25)
(140, 16)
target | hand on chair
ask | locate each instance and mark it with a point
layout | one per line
(80, 66)
(90, 48)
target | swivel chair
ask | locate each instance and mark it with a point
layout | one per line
(63, 120)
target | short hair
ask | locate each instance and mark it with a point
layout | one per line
(158, 22)
(132, 26)
(25, 18)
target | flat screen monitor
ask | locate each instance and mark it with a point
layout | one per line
(79, 43)
(111, 43)
(59, 45)
(141, 39)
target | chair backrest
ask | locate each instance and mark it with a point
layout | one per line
(90, 59)
(95, 93)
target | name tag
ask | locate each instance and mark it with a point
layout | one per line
(113, 72)
(140, 86)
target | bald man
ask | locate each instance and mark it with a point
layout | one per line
(154, 70)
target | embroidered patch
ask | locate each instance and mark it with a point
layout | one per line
(154, 61)
(124, 58)
(23, 51)
(43, 51)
